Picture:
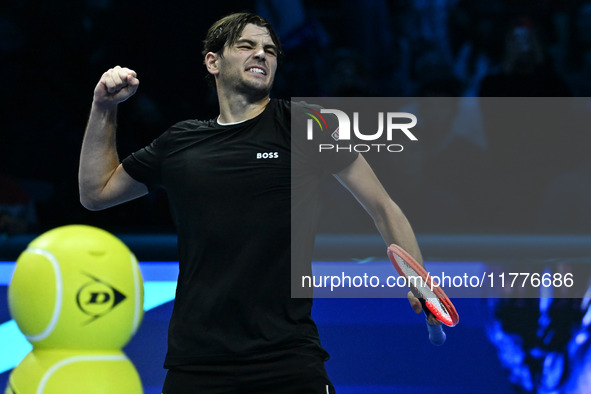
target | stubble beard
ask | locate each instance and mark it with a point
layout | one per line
(254, 91)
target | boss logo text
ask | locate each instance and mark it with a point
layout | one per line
(268, 155)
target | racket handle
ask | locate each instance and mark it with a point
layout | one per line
(436, 334)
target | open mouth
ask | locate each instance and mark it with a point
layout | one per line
(257, 70)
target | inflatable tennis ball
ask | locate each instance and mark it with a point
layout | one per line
(50, 371)
(77, 287)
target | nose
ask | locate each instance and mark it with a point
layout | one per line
(260, 53)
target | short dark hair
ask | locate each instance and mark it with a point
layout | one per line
(226, 31)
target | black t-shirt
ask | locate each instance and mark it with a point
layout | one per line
(230, 190)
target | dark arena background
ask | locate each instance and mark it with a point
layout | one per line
(474, 196)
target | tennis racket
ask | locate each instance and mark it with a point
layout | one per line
(433, 298)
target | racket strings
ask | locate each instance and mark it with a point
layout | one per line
(422, 287)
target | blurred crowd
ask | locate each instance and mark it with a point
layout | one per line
(52, 54)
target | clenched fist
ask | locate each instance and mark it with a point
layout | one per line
(115, 86)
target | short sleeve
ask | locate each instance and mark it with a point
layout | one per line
(145, 164)
(320, 153)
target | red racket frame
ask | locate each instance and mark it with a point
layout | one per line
(416, 267)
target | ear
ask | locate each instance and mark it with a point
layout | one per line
(211, 62)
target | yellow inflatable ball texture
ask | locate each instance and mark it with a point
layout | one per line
(50, 371)
(77, 287)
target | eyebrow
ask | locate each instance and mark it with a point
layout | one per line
(253, 43)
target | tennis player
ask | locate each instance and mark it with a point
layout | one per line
(235, 327)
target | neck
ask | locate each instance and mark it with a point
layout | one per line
(237, 108)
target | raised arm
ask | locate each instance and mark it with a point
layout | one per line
(101, 178)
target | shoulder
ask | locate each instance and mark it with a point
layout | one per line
(182, 131)
(304, 109)
(192, 125)
(294, 107)
(279, 107)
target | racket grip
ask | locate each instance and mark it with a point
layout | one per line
(436, 334)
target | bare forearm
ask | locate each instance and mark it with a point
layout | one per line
(391, 222)
(396, 229)
(98, 157)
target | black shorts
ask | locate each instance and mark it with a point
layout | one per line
(282, 374)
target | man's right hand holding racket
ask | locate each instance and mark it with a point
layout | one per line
(423, 296)
(393, 225)
(417, 306)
